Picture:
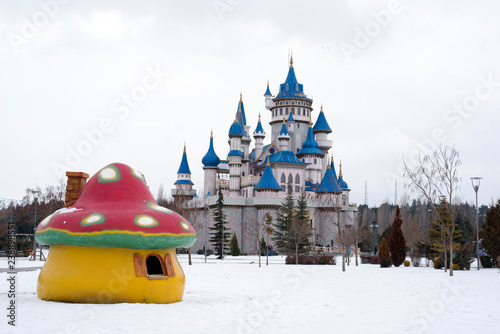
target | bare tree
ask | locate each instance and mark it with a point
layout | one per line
(435, 176)
(330, 209)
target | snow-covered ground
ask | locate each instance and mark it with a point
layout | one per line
(236, 296)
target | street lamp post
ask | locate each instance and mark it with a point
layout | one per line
(374, 226)
(476, 181)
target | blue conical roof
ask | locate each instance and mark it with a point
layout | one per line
(321, 124)
(236, 129)
(291, 87)
(259, 128)
(290, 118)
(268, 92)
(210, 159)
(310, 146)
(267, 181)
(329, 182)
(283, 131)
(184, 167)
(240, 113)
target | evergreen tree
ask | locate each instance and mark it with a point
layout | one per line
(234, 249)
(465, 253)
(218, 235)
(439, 232)
(490, 232)
(384, 258)
(284, 220)
(397, 242)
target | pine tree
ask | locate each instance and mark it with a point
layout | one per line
(234, 249)
(439, 232)
(397, 242)
(384, 258)
(490, 232)
(284, 220)
(218, 235)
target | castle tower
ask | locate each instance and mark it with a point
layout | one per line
(268, 96)
(310, 153)
(210, 162)
(290, 100)
(321, 130)
(183, 185)
(290, 122)
(343, 185)
(235, 156)
(284, 137)
(259, 136)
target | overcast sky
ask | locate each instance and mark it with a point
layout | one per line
(393, 77)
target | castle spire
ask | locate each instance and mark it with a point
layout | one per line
(340, 169)
(291, 59)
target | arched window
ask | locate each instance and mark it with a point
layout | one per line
(290, 178)
(154, 265)
(297, 179)
(283, 178)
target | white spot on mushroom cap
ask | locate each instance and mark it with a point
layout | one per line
(146, 221)
(93, 219)
(108, 173)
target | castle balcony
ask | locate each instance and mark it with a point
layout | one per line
(249, 180)
(223, 183)
(183, 192)
(325, 143)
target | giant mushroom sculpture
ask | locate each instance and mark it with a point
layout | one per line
(115, 244)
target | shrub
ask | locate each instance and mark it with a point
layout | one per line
(416, 257)
(487, 261)
(463, 256)
(234, 249)
(322, 259)
(438, 263)
(370, 259)
(384, 258)
(406, 263)
(200, 251)
(456, 266)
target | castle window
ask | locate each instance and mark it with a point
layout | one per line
(297, 179)
(308, 113)
(282, 187)
(281, 111)
(286, 111)
(293, 102)
(298, 125)
(283, 178)
(315, 161)
(281, 103)
(297, 189)
(290, 178)
(293, 111)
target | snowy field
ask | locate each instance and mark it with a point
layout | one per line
(236, 296)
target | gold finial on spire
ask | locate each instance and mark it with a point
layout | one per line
(332, 159)
(340, 169)
(241, 97)
(267, 83)
(284, 122)
(310, 121)
(236, 119)
(211, 133)
(259, 117)
(291, 59)
(321, 108)
(184, 147)
(268, 164)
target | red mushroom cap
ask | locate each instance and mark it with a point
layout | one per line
(116, 209)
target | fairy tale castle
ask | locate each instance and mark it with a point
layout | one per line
(254, 180)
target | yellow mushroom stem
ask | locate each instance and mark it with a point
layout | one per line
(111, 275)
